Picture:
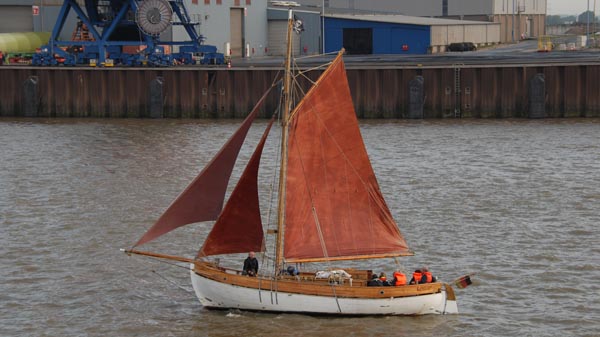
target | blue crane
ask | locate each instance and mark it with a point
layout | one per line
(113, 24)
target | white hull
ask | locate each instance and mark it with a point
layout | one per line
(213, 294)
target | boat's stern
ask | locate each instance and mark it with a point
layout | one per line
(450, 306)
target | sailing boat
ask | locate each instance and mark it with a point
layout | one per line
(330, 210)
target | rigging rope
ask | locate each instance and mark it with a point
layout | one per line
(324, 248)
(312, 69)
(317, 55)
(173, 282)
(399, 265)
(297, 89)
(164, 277)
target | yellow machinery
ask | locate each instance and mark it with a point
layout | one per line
(26, 43)
(544, 44)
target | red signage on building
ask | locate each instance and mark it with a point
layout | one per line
(35, 10)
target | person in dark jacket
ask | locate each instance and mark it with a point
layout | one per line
(374, 281)
(250, 265)
(384, 280)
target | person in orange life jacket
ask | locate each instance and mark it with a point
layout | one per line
(417, 277)
(427, 277)
(399, 279)
(250, 265)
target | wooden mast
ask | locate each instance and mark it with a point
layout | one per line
(287, 105)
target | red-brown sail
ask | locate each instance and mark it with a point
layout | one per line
(334, 207)
(203, 199)
(239, 227)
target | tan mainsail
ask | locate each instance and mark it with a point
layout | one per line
(334, 207)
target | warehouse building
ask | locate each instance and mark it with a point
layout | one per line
(238, 27)
(376, 33)
(399, 34)
(16, 16)
(32, 16)
(307, 43)
(517, 18)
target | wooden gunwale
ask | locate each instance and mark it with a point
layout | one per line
(318, 288)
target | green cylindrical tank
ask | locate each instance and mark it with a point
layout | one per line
(22, 42)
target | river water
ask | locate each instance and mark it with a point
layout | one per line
(517, 202)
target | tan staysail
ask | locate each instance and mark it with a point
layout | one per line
(203, 199)
(239, 227)
(334, 207)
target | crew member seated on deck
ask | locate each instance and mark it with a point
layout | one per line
(383, 279)
(417, 277)
(250, 265)
(374, 281)
(399, 279)
(291, 270)
(427, 277)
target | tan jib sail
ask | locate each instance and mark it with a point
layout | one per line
(334, 209)
(239, 227)
(203, 199)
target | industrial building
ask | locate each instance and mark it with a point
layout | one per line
(247, 28)
(307, 43)
(16, 16)
(377, 33)
(517, 18)
(241, 24)
(32, 16)
(399, 34)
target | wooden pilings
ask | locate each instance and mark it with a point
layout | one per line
(415, 97)
(31, 98)
(156, 96)
(537, 96)
(511, 91)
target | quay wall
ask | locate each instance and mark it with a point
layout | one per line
(469, 91)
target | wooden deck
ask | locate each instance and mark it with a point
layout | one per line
(308, 284)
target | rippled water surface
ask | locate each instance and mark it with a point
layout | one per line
(516, 202)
